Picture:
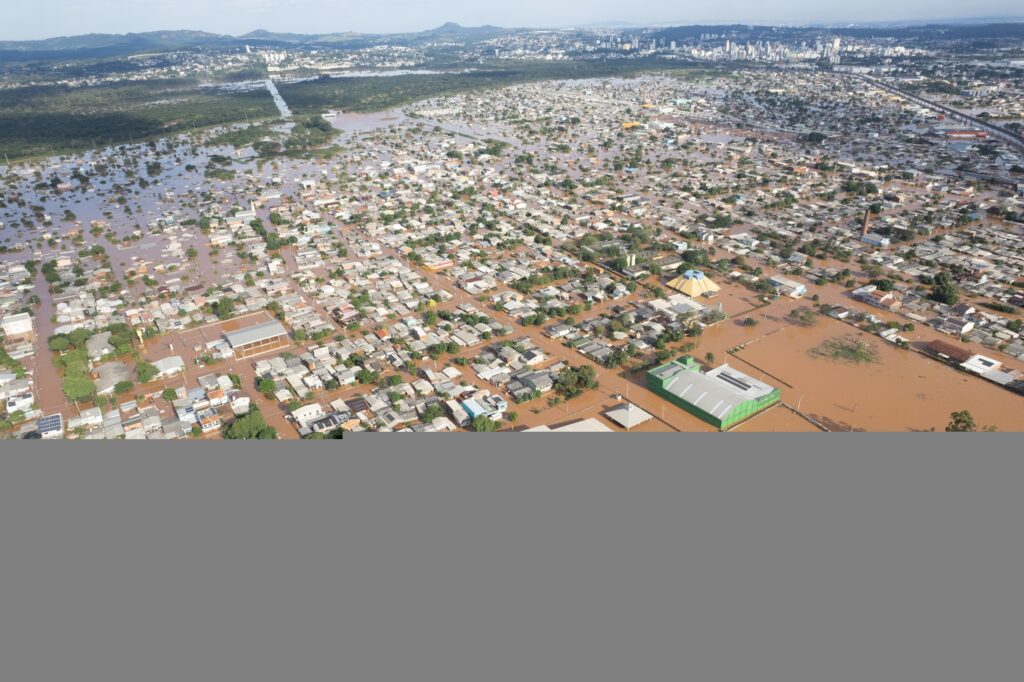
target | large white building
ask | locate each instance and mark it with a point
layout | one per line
(19, 324)
(257, 339)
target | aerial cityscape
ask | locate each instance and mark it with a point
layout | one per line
(615, 228)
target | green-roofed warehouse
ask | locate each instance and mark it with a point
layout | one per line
(722, 397)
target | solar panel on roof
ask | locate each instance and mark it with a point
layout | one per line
(733, 380)
(49, 423)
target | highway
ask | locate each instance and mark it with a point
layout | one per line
(282, 106)
(999, 132)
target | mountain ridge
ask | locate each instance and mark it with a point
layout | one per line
(124, 44)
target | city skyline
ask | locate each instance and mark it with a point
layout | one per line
(238, 17)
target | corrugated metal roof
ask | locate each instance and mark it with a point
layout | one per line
(718, 392)
(256, 333)
(949, 350)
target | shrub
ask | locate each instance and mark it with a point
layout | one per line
(145, 372)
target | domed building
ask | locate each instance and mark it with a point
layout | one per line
(694, 283)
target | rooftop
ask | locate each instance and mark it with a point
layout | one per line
(255, 334)
(717, 392)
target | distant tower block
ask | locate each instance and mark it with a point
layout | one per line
(867, 219)
(142, 339)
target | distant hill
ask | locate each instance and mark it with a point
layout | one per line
(101, 45)
(98, 45)
(450, 32)
(94, 41)
(95, 45)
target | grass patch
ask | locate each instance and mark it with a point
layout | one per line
(847, 348)
(803, 316)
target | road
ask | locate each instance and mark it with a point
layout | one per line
(998, 131)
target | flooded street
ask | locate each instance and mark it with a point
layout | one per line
(521, 185)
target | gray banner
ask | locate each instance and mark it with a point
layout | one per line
(511, 557)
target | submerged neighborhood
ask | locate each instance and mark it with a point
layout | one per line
(744, 247)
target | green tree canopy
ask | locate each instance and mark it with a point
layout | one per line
(145, 372)
(250, 427)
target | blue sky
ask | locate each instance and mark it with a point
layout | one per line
(46, 18)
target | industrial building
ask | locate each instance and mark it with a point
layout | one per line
(257, 339)
(722, 397)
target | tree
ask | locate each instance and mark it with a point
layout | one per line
(366, 376)
(960, 422)
(432, 412)
(58, 343)
(945, 290)
(122, 387)
(267, 387)
(224, 308)
(169, 394)
(572, 381)
(483, 424)
(145, 372)
(78, 387)
(250, 427)
(709, 357)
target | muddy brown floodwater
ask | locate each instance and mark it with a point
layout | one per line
(903, 391)
(359, 123)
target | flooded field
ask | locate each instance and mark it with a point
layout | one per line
(903, 391)
(360, 123)
(779, 419)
